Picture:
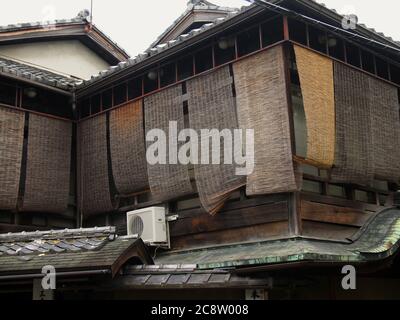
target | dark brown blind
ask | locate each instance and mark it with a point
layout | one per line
(48, 165)
(167, 181)
(11, 142)
(353, 156)
(262, 106)
(93, 178)
(385, 123)
(128, 153)
(212, 106)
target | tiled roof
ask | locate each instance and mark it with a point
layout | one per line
(67, 83)
(34, 243)
(43, 24)
(192, 6)
(163, 47)
(185, 276)
(79, 20)
(26, 71)
(193, 33)
(81, 249)
(378, 240)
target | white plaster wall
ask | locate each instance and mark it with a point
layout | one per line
(69, 57)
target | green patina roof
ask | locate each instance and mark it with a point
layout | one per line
(378, 240)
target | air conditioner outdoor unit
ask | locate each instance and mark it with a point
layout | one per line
(150, 225)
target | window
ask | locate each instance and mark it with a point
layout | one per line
(395, 74)
(107, 100)
(224, 50)
(40, 100)
(8, 94)
(204, 60)
(382, 199)
(365, 196)
(310, 170)
(168, 74)
(318, 39)
(95, 104)
(382, 68)
(312, 186)
(84, 108)
(353, 55)
(368, 61)
(381, 185)
(120, 94)
(185, 68)
(300, 126)
(135, 88)
(336, 191)
(272, 31)
(150, 81)
(298, 31)
(248, 41)
(336, 47)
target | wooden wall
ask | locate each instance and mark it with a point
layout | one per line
(242, 220)
(332, 218)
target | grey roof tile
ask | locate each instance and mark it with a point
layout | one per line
(36, 74)
(66, 249)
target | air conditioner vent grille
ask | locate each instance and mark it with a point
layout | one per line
(137, 226)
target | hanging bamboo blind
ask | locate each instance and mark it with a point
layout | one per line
(212, 106)
(316, 80)
(167, 181)
(93, 177)
(48, 166)
(263, 106)
(11, 143)
(127, 144)
(385, 123)
(353, 156)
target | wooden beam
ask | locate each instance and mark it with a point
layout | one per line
(333, 214)
(238, 218)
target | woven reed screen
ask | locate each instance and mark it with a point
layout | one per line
(385, 122)
(316, 80)
(353, 156)
(212, 106)
(262, 106)
(93, 179)
(11, 143)
(128, 152)
(48, 165)
(167, 181)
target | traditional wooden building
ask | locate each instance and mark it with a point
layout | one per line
(323, 102)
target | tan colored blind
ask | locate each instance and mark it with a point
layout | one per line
(262, 105)
(127, 144)
(316, 80)
(212, 106)
(167, 181)
(11, 143)
(48, 166)
(93, 176)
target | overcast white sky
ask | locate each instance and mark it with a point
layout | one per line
(135, 24)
